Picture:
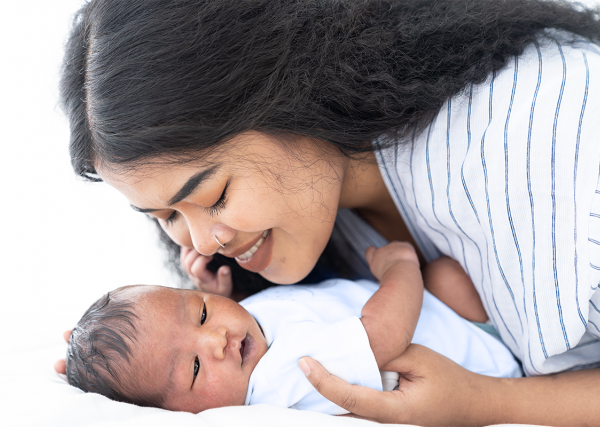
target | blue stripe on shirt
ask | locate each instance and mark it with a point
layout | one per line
(587, 82)
(508, 211)
(462, 245)
(531, 204)
(433, 195)
(465, 187)
(412, 179)
(487, 196)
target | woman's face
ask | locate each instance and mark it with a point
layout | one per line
(272, 207)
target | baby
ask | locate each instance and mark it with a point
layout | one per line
(191, 351)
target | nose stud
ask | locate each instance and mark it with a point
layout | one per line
(220, 244)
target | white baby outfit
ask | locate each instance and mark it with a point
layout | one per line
(323, 321)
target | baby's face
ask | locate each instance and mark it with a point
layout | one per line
(196, 349)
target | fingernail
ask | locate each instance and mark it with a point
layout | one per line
(303, 365)
(225, 271)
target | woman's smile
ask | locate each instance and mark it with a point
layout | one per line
(248, 254)
(259, 256)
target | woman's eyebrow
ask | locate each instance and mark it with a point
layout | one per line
(188, 188)
(191, 185)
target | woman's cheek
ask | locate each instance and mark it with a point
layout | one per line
(179, 233)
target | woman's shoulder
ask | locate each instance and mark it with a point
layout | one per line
(559, 53)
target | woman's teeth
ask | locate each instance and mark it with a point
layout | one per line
(254, 248)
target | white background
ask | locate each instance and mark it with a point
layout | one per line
(63, 242)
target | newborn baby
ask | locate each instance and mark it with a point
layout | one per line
(190, 351)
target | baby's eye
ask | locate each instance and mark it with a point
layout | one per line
(203, 317)
(196, 367)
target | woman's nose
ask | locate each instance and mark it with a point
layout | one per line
(208, 239)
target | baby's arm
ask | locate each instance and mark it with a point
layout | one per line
(390, 316)
(447, 280)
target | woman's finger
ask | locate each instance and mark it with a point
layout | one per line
(362, 401)
(67, 334)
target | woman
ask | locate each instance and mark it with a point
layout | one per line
(464, 127)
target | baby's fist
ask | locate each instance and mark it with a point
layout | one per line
(381, 259)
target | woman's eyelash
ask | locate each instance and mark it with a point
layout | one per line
(212, 210)
(216, 208)
(171, 218)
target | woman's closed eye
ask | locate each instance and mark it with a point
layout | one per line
(220, 204)
(171, 218)
(211, 210)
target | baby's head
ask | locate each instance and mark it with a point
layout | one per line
(170, 348)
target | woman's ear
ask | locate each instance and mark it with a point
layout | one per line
(67, 334)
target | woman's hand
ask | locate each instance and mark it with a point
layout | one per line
(433, 391)
(194, 265)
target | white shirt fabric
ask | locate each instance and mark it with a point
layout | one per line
(323, 321)
(505, 181)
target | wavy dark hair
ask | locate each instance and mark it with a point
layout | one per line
(168, 79)
(99, 352)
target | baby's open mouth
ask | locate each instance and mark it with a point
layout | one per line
(245, 347)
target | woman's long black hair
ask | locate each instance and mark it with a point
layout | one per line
(170, 78)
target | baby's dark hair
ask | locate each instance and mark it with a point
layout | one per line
(99, 354)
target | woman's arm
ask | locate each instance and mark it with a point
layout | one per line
(390, 316)
(434, 391)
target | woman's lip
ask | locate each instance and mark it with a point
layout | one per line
(261, 258)
(245, 248)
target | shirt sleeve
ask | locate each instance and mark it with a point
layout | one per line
(342, 348)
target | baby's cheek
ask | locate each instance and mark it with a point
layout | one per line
(228, 390)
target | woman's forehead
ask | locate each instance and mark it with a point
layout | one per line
(157, 185)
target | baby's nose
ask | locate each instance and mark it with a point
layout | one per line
(216, 343)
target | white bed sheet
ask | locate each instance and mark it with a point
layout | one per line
(32, 395)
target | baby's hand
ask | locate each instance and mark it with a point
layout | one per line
(381, 259)
(60, 366)
(194, 265)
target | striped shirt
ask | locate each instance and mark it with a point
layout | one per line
(506, 181)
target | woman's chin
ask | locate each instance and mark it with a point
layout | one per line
(284, 276)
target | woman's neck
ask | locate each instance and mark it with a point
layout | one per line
(364, 190)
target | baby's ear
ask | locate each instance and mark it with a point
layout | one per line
(61, 366)
(67, 334)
